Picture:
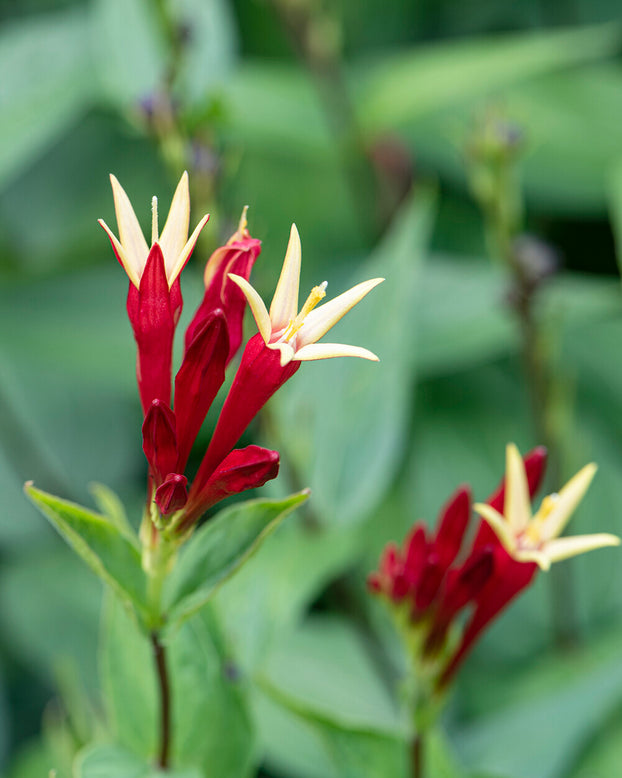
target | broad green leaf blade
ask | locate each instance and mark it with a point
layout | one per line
(219, 548)
(211, 729)
(344, 422)
(416, 83)
(270, 594)
(349, 752)
(113, 509)
(579, 708)
(107, 552)
(46, 84)
(128, 48)
(105, 761)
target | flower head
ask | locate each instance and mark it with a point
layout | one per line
(293, 333)
(535, 538)
(131, 248)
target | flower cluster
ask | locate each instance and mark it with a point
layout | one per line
(433, 577)
(172, 419)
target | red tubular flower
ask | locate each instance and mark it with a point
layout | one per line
(151, 314)
(258, 377)
(237, 256)
(160, 440)
(242, 469)
(171, 496)
(200, 376)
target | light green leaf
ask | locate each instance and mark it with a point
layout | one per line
(462, 316)
(413, 84)
(578, 708)
(350, 752)
(209, 54)
(128, 48)
(46, 84)
(270, 594)
(344, 422)
(219, 548)
(210, 727)
(106, 551)
(105, 761)
(325, 666)
(113, 509)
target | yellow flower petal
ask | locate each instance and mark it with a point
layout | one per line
(330, 350)
(517, 506)
(541, 558)
(499, 525)
(321, 319)
(121, 253)
(175, 233)
(257, 307)
(564, 548)
(284, 306)
(130, 234)
(566, 502)
(186, 251)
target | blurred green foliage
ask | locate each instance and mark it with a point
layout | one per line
(302, 662)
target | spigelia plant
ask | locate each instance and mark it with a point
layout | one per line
(435, 578)
(172, 566)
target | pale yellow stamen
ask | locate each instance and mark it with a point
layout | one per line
(154, 220)
(533, 531)
(318, 293)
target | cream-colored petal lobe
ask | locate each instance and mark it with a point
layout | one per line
(541, 558)
(175, 233)
(130, 234)
(183, 256)
(330, 350)
(498, 523)
(566, 503)
(517, 505)
(284, 306)
(256, 305)
(564, 548)
(287, 352)
(120, 253)
(321, 319)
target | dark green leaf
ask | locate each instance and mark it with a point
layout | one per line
(219, 548)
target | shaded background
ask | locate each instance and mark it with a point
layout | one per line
(353, 122)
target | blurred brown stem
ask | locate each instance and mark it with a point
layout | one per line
(159, 653)
(416, 754)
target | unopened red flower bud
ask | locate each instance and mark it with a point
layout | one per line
(171, 496)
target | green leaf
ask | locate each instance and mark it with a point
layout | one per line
(462, 316)
(106, 551)
(413, 84)
(46, 85)
(209, 54)
(210, 724)
(129, 49)
(51, 593)
(104, 761)
(272, 591)
(326, 667)
(344, 423)
(578, 708)
(219, 548)
(113, 509)
(350, 752)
